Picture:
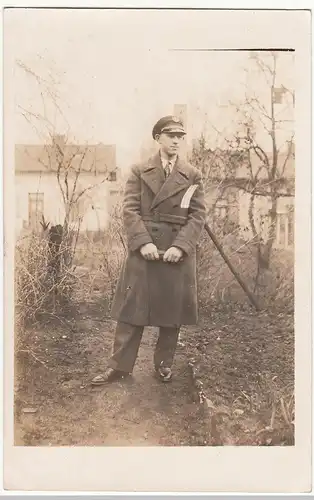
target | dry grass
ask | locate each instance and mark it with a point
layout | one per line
(217, 284)
(40, 288)
(243, 373)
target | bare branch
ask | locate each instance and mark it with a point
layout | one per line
(261, 154)
(288, 155)
(31, 72)
(88, 188)
(260, 107)
(66, 182)
(77, 175)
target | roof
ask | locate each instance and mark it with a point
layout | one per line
(228, 162)
(95, 158)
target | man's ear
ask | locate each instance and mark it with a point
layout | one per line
(157, 137)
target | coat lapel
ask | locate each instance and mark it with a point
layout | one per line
(153, 175)
(176, 182)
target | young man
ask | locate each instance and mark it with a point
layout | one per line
(164, 214)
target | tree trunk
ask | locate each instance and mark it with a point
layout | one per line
(267, 247)
(263, 249)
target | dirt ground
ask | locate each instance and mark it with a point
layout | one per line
(246, 362)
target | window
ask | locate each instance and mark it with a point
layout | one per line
(282, 229)
(112, 176)
(285, 229)
(35, 210)
(277, 95)
(221, 209)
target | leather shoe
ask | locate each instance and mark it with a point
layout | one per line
(109, 376)
(164, 373)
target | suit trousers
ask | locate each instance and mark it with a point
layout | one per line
(127, 342)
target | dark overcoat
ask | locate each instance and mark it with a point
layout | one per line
(158, 210)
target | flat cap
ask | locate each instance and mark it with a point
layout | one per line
(168, 123)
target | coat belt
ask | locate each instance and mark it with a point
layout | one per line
(172, 219)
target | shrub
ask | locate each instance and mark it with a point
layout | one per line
(43, 281)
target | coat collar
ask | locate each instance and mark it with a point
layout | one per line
(153, 176)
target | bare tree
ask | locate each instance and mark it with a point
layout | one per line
(244, 162)
(66, 160)
(68, 163)
(265, 170)
(253, 158)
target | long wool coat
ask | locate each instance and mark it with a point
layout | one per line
(158, 210)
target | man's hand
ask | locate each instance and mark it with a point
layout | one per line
(149, 251)
(173, 254)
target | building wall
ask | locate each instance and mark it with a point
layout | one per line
(233, 206)
(93, 207)
(285, 222)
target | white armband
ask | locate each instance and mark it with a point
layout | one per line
(185, 202)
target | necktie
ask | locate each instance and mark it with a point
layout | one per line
(167, 169)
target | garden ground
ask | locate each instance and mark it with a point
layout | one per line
(246, 364)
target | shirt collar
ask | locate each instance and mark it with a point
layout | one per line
(166, 162)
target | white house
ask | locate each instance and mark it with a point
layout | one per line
(284, 231)
(229, 199)
(92, 173)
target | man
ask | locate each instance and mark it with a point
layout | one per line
(164, 215)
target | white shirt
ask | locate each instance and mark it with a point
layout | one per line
(166, 162)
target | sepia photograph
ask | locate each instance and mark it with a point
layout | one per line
(154, 233)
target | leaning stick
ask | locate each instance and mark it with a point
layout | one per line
(232, 269)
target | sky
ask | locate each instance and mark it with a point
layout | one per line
(118, 72)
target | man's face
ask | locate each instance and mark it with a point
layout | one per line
(170, 142)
